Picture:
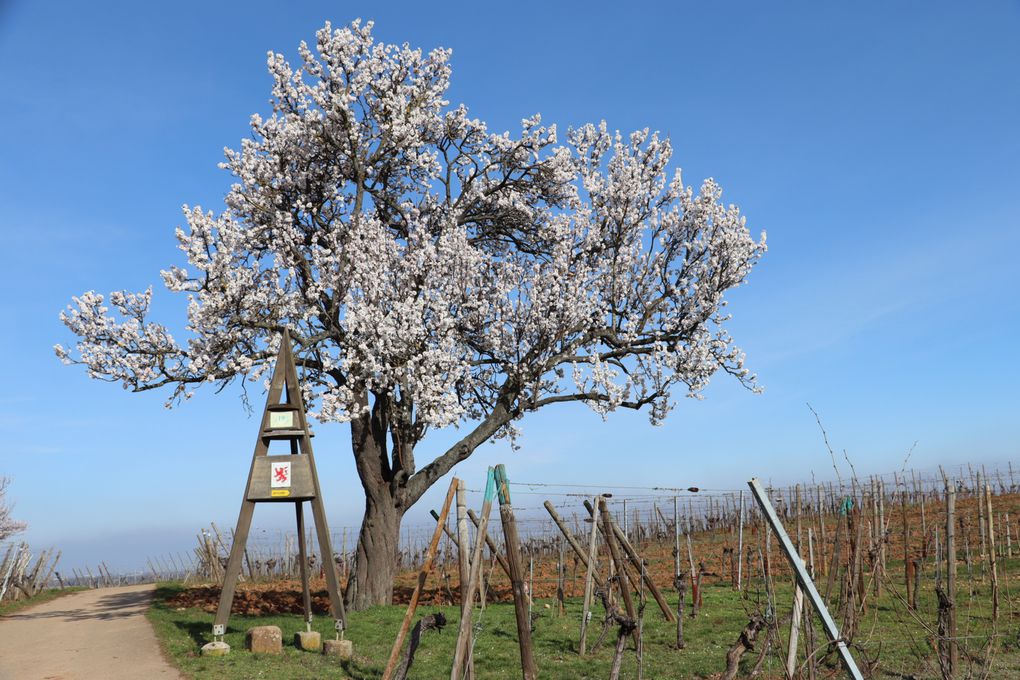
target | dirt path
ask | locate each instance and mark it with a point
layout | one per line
(91, 635)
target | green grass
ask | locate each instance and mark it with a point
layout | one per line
(496, 652)
(888, 633)
(40, 597)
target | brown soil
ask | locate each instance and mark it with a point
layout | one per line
(714, 549)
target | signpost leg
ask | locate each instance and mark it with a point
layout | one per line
(306, 595)
(329, 566)
(233, 568)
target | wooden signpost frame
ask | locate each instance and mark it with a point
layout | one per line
(284, 397)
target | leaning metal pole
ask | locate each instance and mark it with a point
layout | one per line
(804, 579)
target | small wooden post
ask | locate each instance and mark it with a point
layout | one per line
(463, 646)
(907, 567)
(588, 579)
(991, 552)
(575, 546)
(391, 665)
(464, 562)
(676, 538)
(981, 512)
(490, 544)
(883, 525)
(1009, 539)
(625, 517)
(614, 552)
(740, 546)
(797, 613)
(924, 529)
(678, 577)
(680, 582)
(561, 581)
(636, 562)
(463, 543)
(809, 628)
(954, 649)
(513, 552)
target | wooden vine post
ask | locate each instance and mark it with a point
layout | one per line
(635, 561)
(678, 575)
(464, 562)
(588, 582)
(907, 565)
(954, 648)
(513, 554)
(462, 651)
(614, 552)
(993, 570)
(581, 553)
(391, 665)
(740, 546)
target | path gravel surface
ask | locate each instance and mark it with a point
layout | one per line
(97, 634)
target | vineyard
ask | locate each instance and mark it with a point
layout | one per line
(916, 570)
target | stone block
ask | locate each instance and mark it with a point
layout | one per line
(264, 640)
(343, 649)
(310, 641)
(217, 648)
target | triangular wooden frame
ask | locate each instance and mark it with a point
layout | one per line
(302, 485)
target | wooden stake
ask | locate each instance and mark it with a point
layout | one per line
(637, 563)
(695, 595)
(491, 544)
(463, 646)
(611, 536)
(513, 552)
(574, 545)
(954, 650)
(464, 563)
(809, 628)
(991, 553)
(740, 546)
(908, 581)
(791, 653)
(430, 554)
(588, 580)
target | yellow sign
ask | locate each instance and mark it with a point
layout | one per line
(279, 493)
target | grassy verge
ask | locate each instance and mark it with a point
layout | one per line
(40, 597)
(496, 653)
(888, 633)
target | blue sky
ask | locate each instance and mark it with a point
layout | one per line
(877, 143)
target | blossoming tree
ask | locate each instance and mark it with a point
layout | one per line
(433, 273)
(8, 526)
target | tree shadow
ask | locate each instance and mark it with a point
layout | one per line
(199, 631)
(108, 608)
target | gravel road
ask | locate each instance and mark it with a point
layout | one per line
(90, 635)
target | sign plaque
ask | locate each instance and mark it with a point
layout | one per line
(279, 420)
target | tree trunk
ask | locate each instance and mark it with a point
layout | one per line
(376, 559)
(383, 447)
(384, 481)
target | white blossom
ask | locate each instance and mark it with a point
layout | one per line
(457, 274)
(8, 526)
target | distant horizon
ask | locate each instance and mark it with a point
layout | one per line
(181, 541)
